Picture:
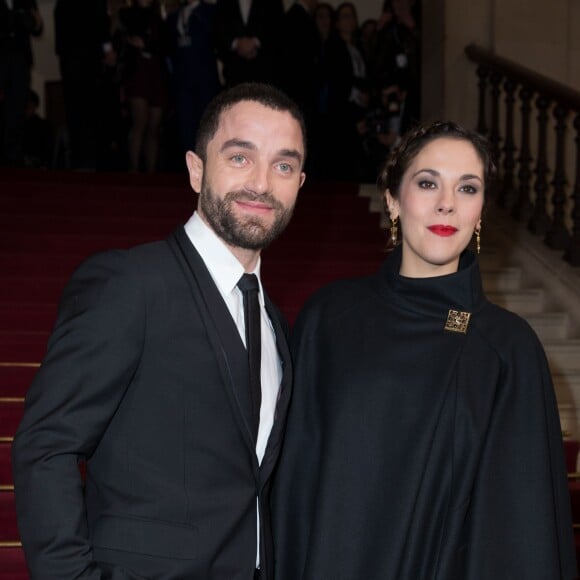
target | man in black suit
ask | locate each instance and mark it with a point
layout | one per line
(19, 20)
(83, 47)
(147, 379)
(247, 37)
(299, 61)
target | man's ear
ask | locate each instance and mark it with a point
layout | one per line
(195, 169)
(302, 179)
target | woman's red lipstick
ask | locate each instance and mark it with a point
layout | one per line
(442, 230)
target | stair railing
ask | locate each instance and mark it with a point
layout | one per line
(525, 188)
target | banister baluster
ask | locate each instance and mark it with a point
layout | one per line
(482, 73)
(507, 191)
(522, 210)
(540, 221)
(494, 136)
(558, 236)
(572, 254)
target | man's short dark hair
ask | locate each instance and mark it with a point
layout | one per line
(264, 94)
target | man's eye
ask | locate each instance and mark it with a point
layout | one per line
(238, 158)
(285, 167)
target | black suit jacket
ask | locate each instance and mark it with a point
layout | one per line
(265, 23)
(299, 59)
(146, 378)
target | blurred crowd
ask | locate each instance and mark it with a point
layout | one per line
(136, 76)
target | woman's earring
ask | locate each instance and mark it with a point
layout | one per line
(394, 230)
(477, 233)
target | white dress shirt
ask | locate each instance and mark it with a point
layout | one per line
(245, 7)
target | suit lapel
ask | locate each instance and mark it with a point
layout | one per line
(222, 332)
(277, 433)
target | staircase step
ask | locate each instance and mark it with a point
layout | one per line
(491, 259)
(20, 289)
(567, 387)
(8, 526)
(563, 355)
(13, 564)
(550, 325)
(16, 377)
(11, 411)
(22, 346)
(27, 316)
(505, 279)
(522, 302)
(5, 465)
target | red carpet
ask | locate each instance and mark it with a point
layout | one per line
(50, 222)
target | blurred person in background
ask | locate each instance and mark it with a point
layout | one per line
(298, 70)
(247, 39)
(38, 140)
(193, 64)
(348, 95)
(19, 20)
(142, 39)
(83, 45)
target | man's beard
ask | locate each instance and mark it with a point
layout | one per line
(249, 233)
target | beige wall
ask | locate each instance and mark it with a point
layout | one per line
(534, 33)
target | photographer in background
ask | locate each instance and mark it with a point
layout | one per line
(19, 20)
(385, 122)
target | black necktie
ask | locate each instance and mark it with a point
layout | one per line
(248, 284)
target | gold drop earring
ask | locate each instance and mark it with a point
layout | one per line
(477, 233)
(394, 230)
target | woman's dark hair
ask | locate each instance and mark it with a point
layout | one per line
(417, 138)
(263, 94)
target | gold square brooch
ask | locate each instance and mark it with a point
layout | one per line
(457, 321)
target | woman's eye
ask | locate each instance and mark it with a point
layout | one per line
(468, 189)
(425, 184)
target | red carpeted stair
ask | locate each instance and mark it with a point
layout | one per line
(50, 222)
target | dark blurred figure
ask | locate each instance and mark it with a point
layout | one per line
(398, 50)
(143, 56)
(324, 21)
(82, 45)
(194, 71)
(319, 158)
(348, 94)
(38, 136)
(247, 39)
(367, 42)
(299, 59)
(386, 121)
(19, 20)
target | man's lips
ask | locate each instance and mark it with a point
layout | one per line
(441, 230)
(254, 206)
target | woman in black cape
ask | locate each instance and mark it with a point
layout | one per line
(423, 440)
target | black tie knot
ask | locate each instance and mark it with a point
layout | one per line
(248, 282)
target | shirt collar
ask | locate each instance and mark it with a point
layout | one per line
(223, 266)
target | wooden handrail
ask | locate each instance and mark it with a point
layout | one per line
(548, 87)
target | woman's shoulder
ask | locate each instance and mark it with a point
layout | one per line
(505, 330)
(342, 298)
